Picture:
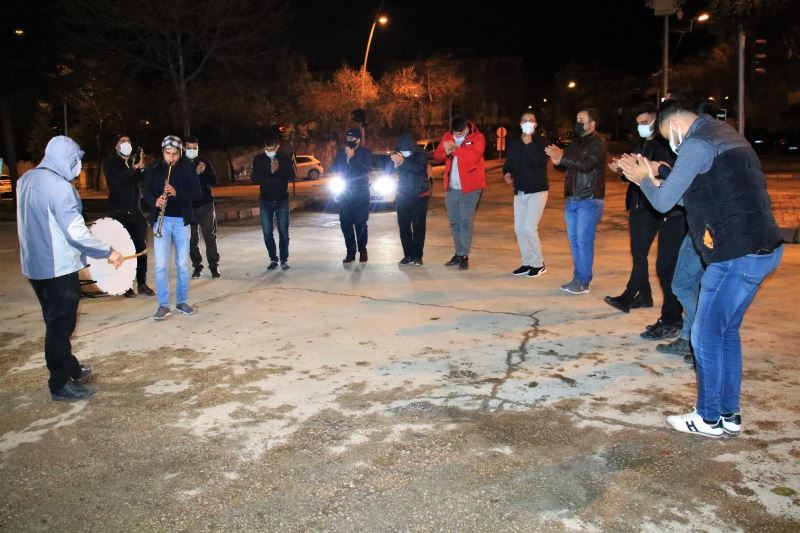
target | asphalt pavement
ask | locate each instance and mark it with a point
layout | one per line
(383, 398)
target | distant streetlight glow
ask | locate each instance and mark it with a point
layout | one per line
(571, 85)
(530, 107)
(711, 98)
(703, 17)
(19, 33)
(383, 19)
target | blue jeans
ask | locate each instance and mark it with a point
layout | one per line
(173, 231)
(270, 210)
(582, 217)
(686, 283)
(727, 290)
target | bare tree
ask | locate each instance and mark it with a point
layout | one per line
(180, 41)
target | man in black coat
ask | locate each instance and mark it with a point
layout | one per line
(205, 216)
(353, 163)
(413, 194)
(272, 171)
(124, 175)
(644, 224)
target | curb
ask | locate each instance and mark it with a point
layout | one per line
(241, 213)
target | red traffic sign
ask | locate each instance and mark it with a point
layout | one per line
(501, 132)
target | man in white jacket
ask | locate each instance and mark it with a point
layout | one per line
(54, 242)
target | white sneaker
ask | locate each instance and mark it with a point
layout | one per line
(732, 423)
(694, 423)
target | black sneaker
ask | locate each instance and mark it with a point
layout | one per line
(732, 423)
(87, 371)
(641, 300)
(349, 259)
(677, 347)
(535, 272)
(273, 266)
(464, 264)
(72, 391)
(147, 291)
(417, 262)
(215, 273)
(521, 271)
(620, 303)
(129, 294)
(362, 256)
(197, 271)
(284, 265)
(661, 330)
(405, 261)
(454, 261)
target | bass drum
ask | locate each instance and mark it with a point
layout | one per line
(100, 273)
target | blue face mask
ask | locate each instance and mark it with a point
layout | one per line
(405, 153)
(459, 140)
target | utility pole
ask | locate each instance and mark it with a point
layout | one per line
(665, 66)
(742, 38)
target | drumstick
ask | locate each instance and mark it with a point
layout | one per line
(143, 252)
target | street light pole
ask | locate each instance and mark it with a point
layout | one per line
(665, 66)
(741, 42)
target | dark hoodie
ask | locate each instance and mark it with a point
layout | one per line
(412, 174)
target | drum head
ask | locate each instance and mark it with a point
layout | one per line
(108, 279)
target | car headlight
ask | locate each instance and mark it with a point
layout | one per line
(337, 185)
(385, 185)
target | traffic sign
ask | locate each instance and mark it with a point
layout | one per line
(501, 132)
(501, 144)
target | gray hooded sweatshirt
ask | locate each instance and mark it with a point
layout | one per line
(53, 237)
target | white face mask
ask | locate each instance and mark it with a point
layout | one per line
(528, 127)
(125, 149)
(271, 155)
(191, 153)
(645, 130)
(672, 143)
(76, 168)
(405, 153)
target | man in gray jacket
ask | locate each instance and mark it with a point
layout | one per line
(54, 242)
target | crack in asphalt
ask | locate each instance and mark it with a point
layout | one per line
(515, 357)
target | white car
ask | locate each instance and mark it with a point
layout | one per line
(382, 182)
(308, 167)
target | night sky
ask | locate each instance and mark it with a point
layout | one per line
(621, 33)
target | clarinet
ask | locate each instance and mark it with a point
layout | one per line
(163, 209)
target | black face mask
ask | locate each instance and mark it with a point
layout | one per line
(351, 144)
(579, 128)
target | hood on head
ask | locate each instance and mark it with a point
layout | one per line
(61, 156)
(406, 142)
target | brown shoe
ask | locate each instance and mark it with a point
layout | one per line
(147, 291)
(362, 256)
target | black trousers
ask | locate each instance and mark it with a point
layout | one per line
(353, 217)
(136, 225)
(205, 222)
(644, 226)
(412, 214)
(59, 300)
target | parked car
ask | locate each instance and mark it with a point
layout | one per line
(308, 167)
(382, 182)
(784, 143)
(5, 186)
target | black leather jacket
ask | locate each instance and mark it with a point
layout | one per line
(585, 162)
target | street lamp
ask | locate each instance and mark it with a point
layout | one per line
(19, 32)
(382, 20)
(571, 85)
(703, 17)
